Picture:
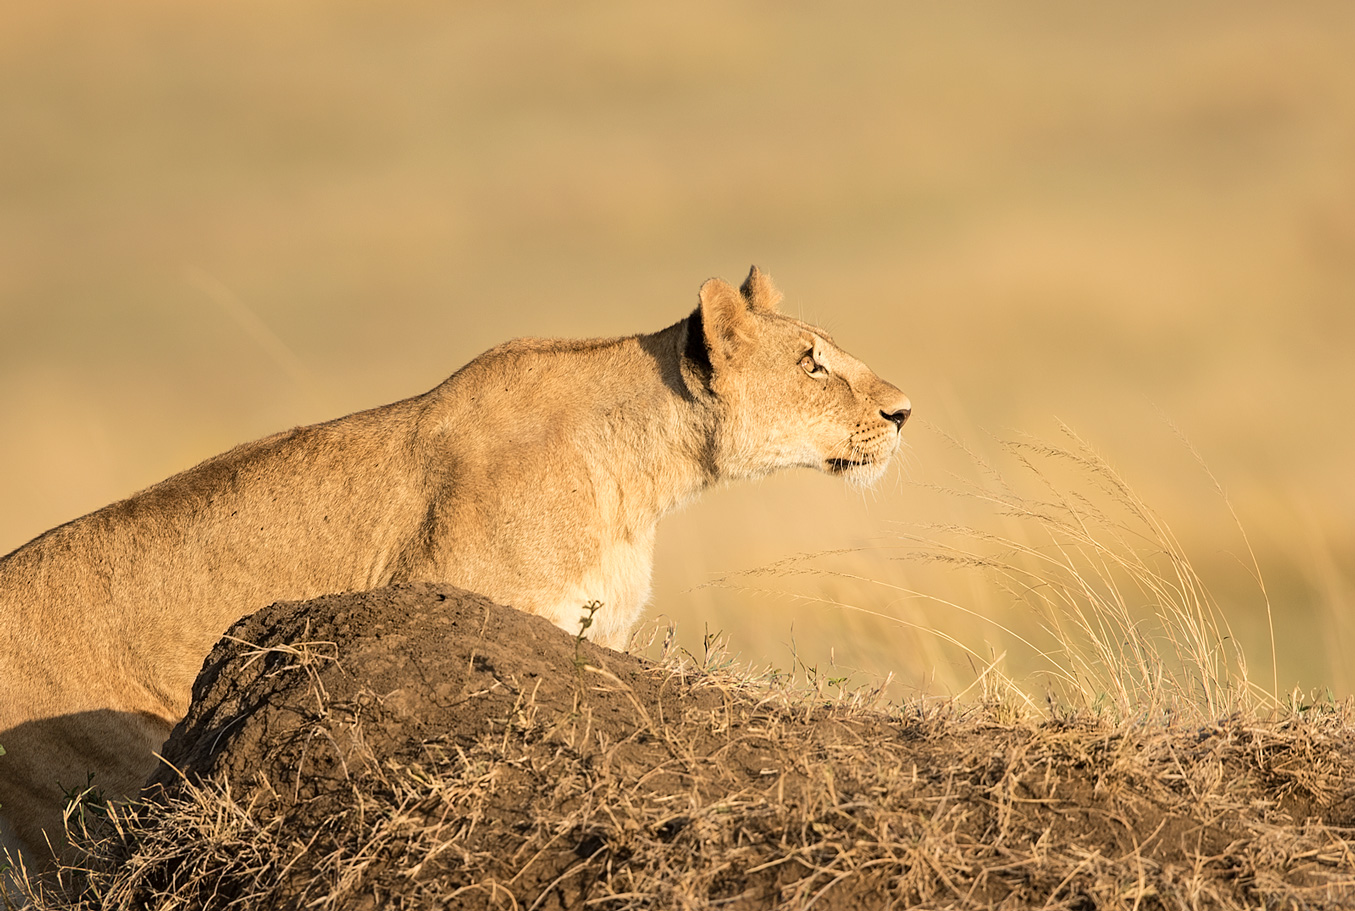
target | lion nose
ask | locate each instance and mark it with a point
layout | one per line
(898, 416)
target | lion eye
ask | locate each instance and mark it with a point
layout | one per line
(811, 366)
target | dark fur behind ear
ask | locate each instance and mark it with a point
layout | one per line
(697, 352)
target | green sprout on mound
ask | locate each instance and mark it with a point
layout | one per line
(585, 621)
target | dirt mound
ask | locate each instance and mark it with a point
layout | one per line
(371, 675)
(420, 747)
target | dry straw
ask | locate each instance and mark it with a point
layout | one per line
(738, 791)
(1132, 625)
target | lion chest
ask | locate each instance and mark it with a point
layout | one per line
(618, 580)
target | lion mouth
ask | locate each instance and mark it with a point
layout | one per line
(838, 466)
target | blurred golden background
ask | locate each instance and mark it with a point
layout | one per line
(221, 219)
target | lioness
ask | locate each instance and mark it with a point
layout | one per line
(534, 475)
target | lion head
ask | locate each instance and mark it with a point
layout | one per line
(785, 394)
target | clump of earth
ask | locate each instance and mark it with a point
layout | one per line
(422, 747)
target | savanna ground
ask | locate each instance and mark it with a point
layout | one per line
(221, 219)
(419, 747)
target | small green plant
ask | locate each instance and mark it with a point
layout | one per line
(585, 623)
(83, 804)
(709, 639)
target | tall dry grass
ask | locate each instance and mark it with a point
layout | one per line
(1122, 618)
(1081, 577)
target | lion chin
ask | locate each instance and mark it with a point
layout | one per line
(861, 472)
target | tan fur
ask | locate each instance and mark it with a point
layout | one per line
(535, 475)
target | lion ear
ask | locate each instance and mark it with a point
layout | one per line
(725, 318)
(759, 291)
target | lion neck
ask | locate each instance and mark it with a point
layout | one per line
(660, 445)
